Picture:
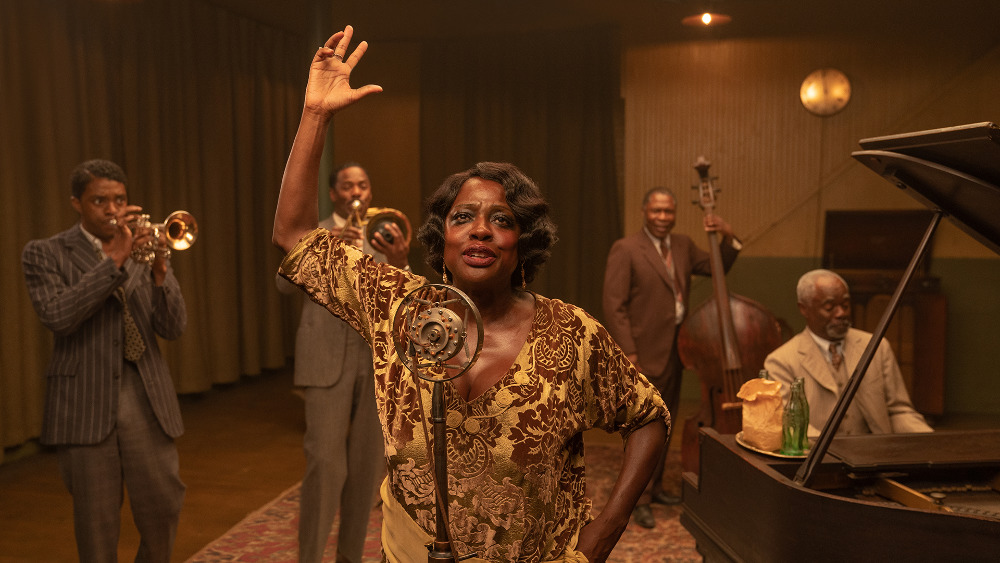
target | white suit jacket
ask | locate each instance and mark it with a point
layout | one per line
(881, 398)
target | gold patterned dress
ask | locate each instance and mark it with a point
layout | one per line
(516, 482)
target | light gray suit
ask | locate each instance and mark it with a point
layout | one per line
(343, 441)
(100, 407)
(881, 399)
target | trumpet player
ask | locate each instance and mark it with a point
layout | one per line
(111, 409)
(333, 367)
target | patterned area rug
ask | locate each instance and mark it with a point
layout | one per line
(268, 535)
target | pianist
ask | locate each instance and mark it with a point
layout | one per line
(825, 355)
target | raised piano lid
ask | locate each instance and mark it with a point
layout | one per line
(934, 179)
(972, 148)
(953, 169)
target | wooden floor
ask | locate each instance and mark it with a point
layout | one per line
(242, 447)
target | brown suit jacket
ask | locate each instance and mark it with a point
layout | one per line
(72, 291)
(639, 298)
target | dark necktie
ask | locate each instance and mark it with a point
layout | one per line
(134, 344)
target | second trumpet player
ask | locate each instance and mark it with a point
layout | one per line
(333, 367)
(378, 226)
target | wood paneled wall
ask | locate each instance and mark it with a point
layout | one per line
(780, 167)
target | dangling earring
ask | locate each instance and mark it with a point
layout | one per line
(444, 274)
(524, 280)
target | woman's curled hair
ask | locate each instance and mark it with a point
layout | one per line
(531, 211)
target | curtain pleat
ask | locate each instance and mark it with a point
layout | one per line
(547, 103)
(203, 124)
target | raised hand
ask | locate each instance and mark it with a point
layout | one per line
(329, 88)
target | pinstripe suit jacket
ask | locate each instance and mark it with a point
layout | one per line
(72, 291)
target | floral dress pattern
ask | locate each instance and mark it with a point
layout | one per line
(516, 479)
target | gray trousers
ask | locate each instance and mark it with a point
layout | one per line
(344, 461)
(139, 456)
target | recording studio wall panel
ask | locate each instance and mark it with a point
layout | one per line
(780, 167)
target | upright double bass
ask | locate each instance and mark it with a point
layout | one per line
(725, 340)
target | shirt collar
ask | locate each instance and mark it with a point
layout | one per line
(94, 241)
(656, 241)
(824, 344)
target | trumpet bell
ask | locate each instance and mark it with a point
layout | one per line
(377, 220)
(181, 230)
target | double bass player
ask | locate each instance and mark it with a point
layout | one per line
(646, 284)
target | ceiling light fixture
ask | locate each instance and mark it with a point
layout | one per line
(706, 19)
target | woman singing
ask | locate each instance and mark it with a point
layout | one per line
(547, 372)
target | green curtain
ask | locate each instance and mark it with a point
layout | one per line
(202, 124)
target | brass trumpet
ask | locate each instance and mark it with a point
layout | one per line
(376, 219)
(179, 228)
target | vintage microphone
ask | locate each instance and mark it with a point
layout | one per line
(429, 329)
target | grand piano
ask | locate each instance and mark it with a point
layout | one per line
(903, 497)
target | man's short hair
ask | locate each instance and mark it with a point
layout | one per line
(806, 288)
(86, 172)
(341, 168)
(658, 190)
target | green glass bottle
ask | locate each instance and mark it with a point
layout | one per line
(795, 421)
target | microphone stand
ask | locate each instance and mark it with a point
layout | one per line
(436, 334)
(440, 550)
